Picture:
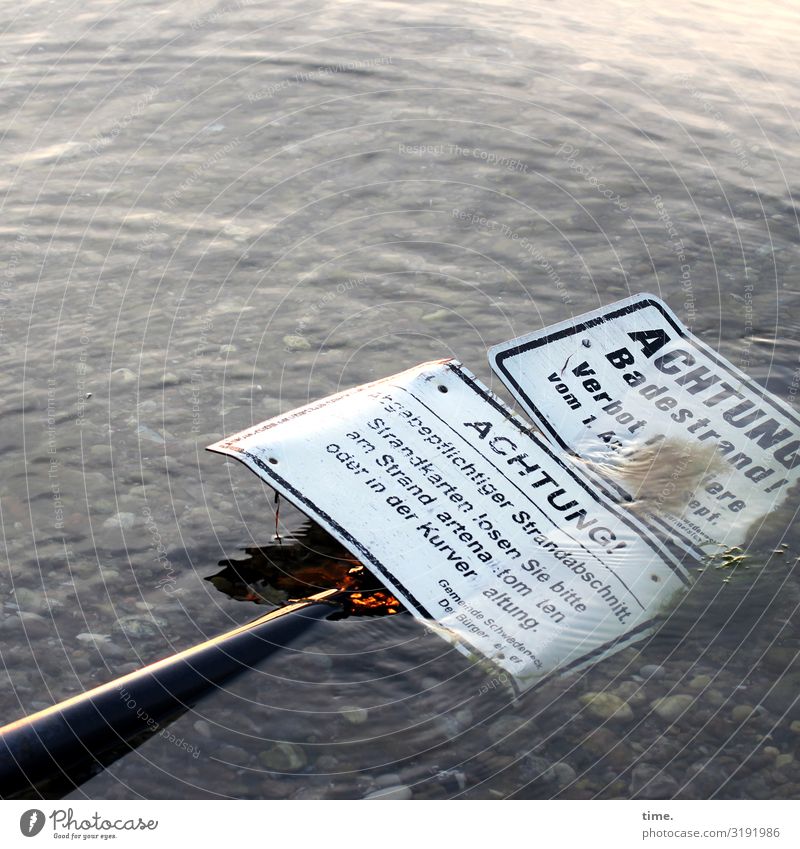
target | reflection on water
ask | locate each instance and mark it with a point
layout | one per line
(297, 567)
(213, 214)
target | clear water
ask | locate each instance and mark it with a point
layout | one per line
(214, 212)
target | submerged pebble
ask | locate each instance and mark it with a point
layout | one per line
(535, 768)
(140, 626)
(607, 706)
(632, 692)
(234, 754)
(30, 600)
(121, 520)
(92, 638)
(742, 712)
(398, 791)
(652, 671)
(283, 757)
(34, 624)
(296, 343)
(650, 782)
(564, 773)
(355, 715)
(203, 729)
(390, 779)
(451, 780)
(672, 708)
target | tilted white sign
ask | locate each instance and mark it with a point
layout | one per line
(470, 519)
(701, 449)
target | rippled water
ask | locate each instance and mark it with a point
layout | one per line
(214, 212)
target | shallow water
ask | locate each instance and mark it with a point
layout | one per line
(214, 212)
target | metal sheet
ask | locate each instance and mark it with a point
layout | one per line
(469, 518)
(702, 450)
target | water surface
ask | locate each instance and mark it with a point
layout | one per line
(215, 212)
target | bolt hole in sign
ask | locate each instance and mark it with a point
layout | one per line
(696, 447)
(470, 518)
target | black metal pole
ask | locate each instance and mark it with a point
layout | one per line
(49, 753)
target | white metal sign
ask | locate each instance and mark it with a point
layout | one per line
(701, 449)
(469, 518)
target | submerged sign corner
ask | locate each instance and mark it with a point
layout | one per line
(700, 449)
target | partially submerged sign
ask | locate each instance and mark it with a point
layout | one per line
(701, 449)
(469, 518)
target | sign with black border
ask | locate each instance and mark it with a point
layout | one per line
(695, 446)
(470, 518)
